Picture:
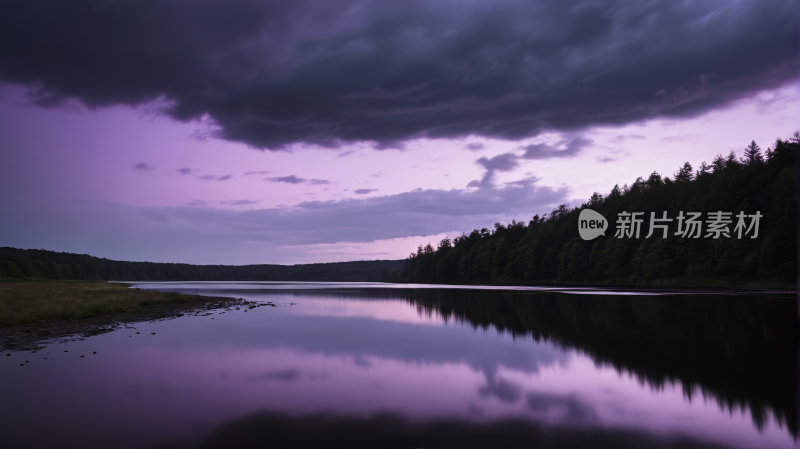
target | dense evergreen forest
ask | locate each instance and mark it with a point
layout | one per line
(42, 264)
(549, 250)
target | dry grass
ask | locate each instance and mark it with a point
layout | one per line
(32, 302)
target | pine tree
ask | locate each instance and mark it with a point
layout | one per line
(752, 154)
(684, 174)
(704, 169)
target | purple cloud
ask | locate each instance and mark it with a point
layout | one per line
(318, 182)
(184, 171)
(238, 202)
(291, 179)
(503, 162)
(143, 166)
(550, 66)
(571, 148)
(365, 191)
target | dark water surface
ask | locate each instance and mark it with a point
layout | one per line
(376, 365)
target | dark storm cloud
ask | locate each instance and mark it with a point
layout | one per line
(275, 73)
(365, 191)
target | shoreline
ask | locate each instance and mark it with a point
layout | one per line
(41, 312)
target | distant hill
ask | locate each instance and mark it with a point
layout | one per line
(42, 264)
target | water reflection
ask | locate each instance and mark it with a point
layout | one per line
(350, 367)
(270, 429)
(738, 350)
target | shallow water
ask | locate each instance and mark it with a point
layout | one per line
(376, 365)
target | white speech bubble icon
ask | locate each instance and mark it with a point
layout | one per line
(591, 224)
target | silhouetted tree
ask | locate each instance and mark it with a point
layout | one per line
(684, 174)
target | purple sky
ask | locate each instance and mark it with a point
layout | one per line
(291, 132)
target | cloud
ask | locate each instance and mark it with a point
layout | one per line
(571, 148)
(365, 191)
(574, 411)
(502, 162)
(275, 74)
(184, 171)
(291, 179)
(501, 389)
(155, 215)
(475, 146)
(215, 177)
(286, 375)
(143, 166)
(238, 202)
(680, 138)
(198, 203)
(622, 138)
(263, 172)
(415, 213)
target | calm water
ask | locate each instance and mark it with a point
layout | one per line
(374, 365)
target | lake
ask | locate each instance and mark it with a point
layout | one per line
(420, 366)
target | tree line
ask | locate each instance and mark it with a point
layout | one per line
(548, 249)
(42, 264)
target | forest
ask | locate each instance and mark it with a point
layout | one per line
(41, 264)
(548, 249)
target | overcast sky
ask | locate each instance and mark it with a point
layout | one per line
(244, 131)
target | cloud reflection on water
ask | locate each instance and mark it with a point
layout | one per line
(307, 367)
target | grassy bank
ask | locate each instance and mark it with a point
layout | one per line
(30, 302)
